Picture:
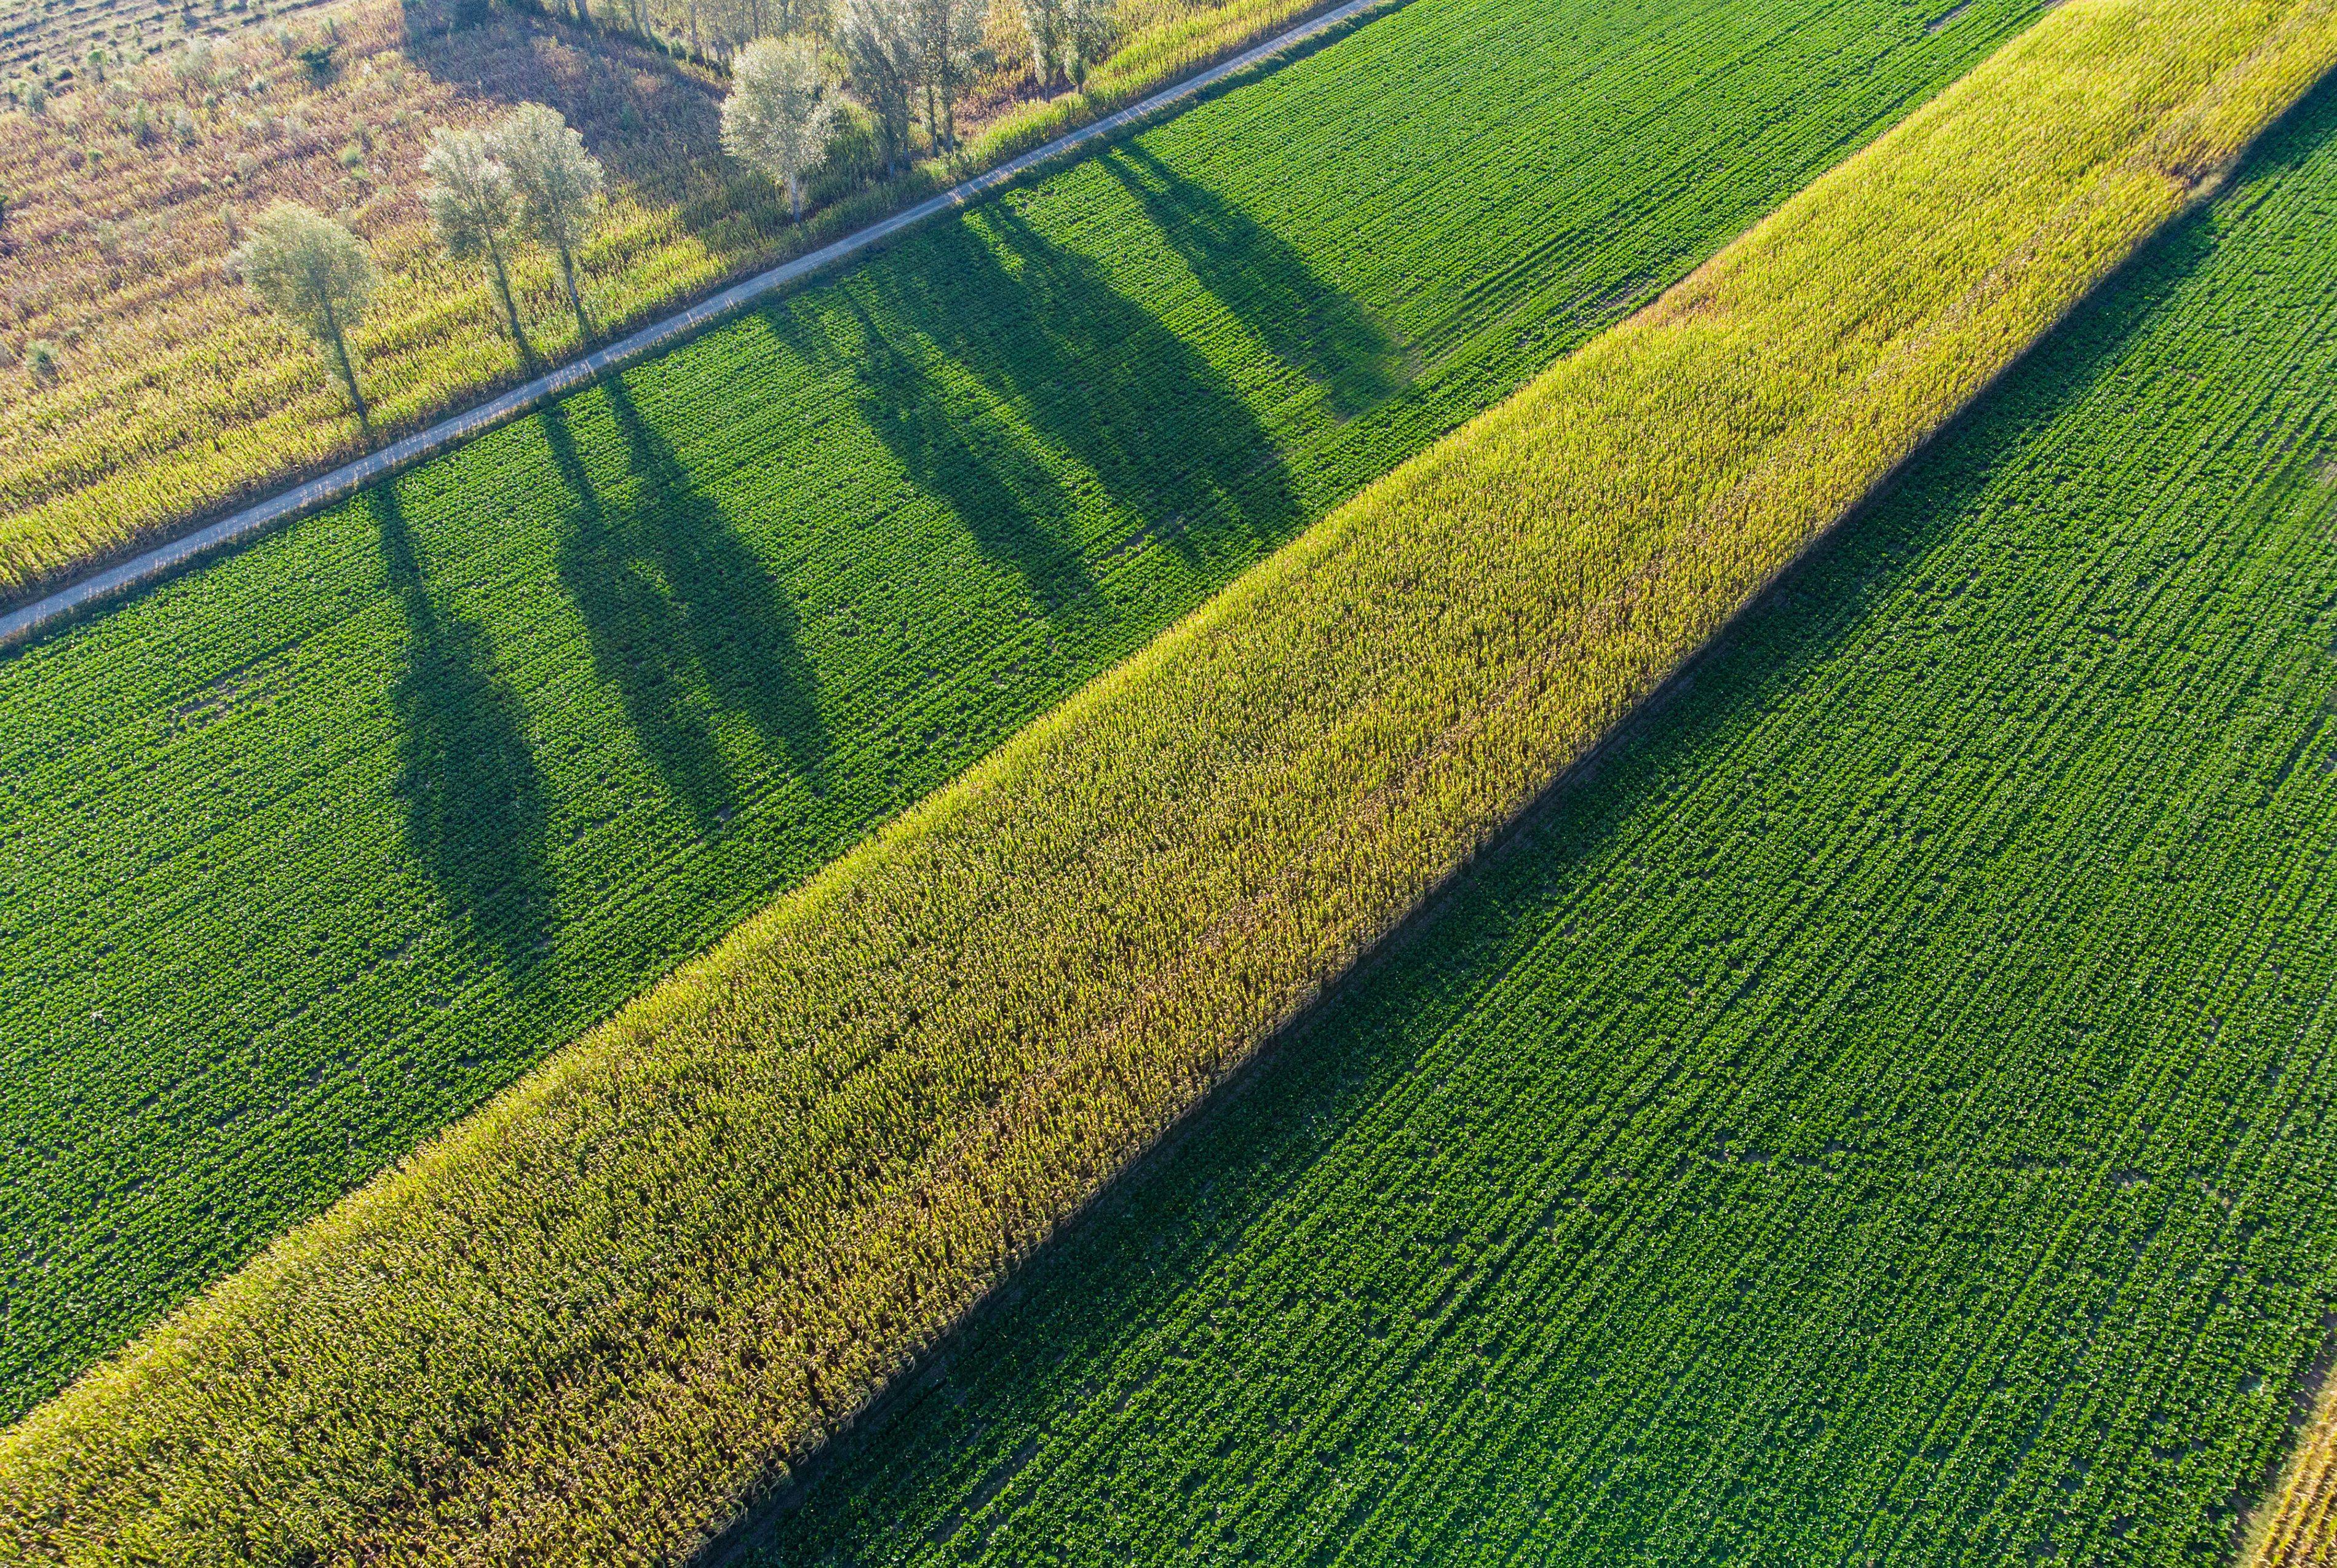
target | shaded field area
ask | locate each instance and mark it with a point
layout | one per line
(143, 390)
(314, 850)
(1882, 1114)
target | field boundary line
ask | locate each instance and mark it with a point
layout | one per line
(249, 523)
(595, 1318)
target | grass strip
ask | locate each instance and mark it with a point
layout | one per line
(318, 848)
(1884, 1112)
(594, 1320)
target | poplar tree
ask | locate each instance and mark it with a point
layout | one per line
(1048, 28)
(318, 276)
(879, 41)
(778, 118)
(559, 187)
(474, 205)
(948, 32)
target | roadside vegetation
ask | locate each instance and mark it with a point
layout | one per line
(318, 847)
(127, 191)
(1883, 1114)
(593, 1320)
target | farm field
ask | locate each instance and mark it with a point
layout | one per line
(125, 195)
(317, 849)
(1885, 1112)
(35, 33)
(595, 1320)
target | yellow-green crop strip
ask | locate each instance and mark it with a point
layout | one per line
(595, 1318)
(311, 851)
(1885, 1111)
(2296, 1525)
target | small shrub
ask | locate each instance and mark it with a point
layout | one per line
(40, 362)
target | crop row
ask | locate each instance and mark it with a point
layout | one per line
(593, 1320)
(310, 852)
(2297, 1526)
(163, 391)
(1886, 1113)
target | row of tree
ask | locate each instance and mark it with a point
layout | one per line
(904, 55)
(529, 177)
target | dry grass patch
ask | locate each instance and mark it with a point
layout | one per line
(140, 388)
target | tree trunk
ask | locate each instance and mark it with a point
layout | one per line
(576, 300)
(510, 309)
(795, 196)
(348, 371)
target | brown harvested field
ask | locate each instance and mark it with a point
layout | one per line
(52, 38)
(140, 388)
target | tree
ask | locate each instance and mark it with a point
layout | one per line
(318, 276)
(473, 204)
(558, 186)
(778, 119)
(1049, 32)
(1087, 29)
(948, 32)
(879, 41)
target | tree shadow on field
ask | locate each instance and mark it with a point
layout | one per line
(681, 616)
(1011, 504)
(650, 122)
(940, 1467)
(466, 778)
(1306, 323)
(1118, 408)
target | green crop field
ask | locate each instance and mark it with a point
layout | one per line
(1886, 1112)
(312, 850)
(605, 1317)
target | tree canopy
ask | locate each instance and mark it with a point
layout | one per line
(316, 275)
(778, 118)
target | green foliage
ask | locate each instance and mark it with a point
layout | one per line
(1882, 1114)
(592, 1320)
(558, 183)
(315, 274)
(780, 114)
(320, 846)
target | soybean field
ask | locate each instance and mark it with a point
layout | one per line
(312, 851)
(1883, 1110)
